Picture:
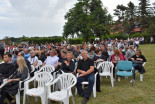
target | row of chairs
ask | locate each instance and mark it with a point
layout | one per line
(106, 70)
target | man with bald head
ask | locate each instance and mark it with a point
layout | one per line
(85, 69)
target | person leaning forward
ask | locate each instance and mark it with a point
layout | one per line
(85, 69)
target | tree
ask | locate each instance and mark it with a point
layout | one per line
(87, 18)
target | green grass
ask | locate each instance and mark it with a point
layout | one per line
(123, 92)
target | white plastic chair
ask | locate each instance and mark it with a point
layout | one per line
(39, 64)
(42, 78)
(20, 89)
(86, 83)
(67, 81)
(106, 69)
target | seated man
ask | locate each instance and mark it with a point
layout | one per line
(33, 59)
(85, 69)
(7, 68)
(52, 59)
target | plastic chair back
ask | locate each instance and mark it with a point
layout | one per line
(67, 80)
(124, 65)
(43, 78)
(105, 66)
(47, 68)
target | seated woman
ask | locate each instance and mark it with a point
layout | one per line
(11, 88)
(68, 66)
(115, 58)
(138, 60)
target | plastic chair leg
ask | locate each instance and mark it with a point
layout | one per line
(112, 81)
(73, 100)
(18, 98)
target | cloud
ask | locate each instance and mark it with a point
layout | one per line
(39, 17)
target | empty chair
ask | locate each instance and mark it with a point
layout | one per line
(67, 81)
(124, 68)
(42, 78)
(106, 69)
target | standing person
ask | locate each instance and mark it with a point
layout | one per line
(11, 88)
(137, 43)
(1, 49)
(85, 69)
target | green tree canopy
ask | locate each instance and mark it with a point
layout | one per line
(87, 18)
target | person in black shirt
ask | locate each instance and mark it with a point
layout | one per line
(69, 65)
(104, 52)
(7, 68)
(138, 60)
(85, 69)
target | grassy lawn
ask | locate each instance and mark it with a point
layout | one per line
(123, 92)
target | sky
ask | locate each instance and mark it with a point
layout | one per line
(40, 18)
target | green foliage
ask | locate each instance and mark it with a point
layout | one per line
(114, 36)
(86, 19)
(43, 40)
(76, 41)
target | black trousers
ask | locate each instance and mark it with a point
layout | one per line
(97, 80)
(4, 95)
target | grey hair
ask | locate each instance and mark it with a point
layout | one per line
(84, 51)
(32, 52)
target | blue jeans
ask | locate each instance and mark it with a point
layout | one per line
(90, 78)
(134, 70)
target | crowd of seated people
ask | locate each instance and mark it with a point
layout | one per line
(65, 56)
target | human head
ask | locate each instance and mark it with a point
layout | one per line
(84, 54)
(116, 52)
(7, 58)
(69, 56)
(21, 62)
(21, 54)
(131, 47)
(63, 53)
(52, 52)
(26, 51)
(32, 53)
(102, 48)
(138, 52)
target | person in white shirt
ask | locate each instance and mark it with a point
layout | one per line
(33, 59)
(137, 43)
(52, 59)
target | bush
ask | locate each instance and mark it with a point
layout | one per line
(43, 40)
(76, 41)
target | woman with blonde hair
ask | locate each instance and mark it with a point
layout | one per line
(11, 88)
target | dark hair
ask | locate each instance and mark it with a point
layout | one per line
(8, 54)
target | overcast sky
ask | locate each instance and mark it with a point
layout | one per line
(40, 17)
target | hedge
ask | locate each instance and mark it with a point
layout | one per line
(43, 40)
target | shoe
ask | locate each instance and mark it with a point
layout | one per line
(132, 80)
(119, 79)
(85, 100)
(98, 90)
(12, 103)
